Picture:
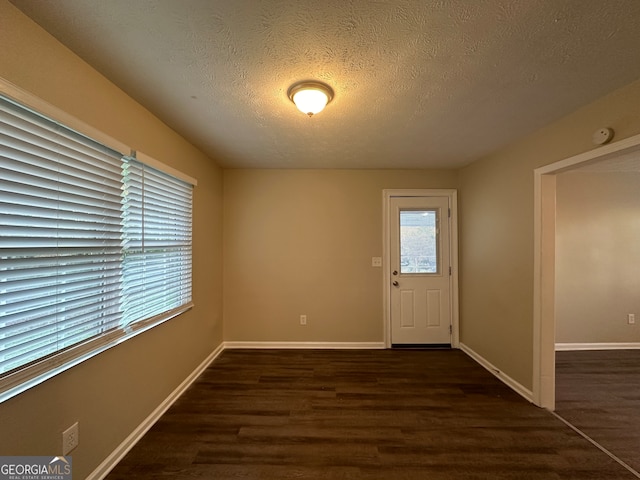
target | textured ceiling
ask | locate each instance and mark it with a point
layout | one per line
(418, 83)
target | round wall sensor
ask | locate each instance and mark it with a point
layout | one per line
(602, 136)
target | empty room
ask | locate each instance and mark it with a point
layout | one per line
(296, 239)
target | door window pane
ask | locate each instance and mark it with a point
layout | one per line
(419, 241)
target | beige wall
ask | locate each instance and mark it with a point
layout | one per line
(496, 228)
(300, 242)
(114, 392)
(597, 257)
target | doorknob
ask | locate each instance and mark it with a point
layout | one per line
(395, 283)
(395, 272)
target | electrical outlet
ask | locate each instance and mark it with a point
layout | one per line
(631, 318)
(303, 319)
(70, 439)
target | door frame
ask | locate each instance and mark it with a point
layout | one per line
(452, 196)
(544, 321)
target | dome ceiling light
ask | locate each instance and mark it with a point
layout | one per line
(310, 96)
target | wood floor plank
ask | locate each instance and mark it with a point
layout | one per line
(599, 393)
(378, 414)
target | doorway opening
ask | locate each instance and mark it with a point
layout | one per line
(544, 311)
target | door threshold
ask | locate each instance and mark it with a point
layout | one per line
(422, 346)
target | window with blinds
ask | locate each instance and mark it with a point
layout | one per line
(157, 242)
(92, 243)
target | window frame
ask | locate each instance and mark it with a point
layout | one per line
(23, 378)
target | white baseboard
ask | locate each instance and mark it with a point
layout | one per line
(564, 347)
(118, 454)
(503, 377)
(307, 345)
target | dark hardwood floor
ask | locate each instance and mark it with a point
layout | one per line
(599, 392)
(376, 414)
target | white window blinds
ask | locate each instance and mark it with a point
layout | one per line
(91, 242)
(157, 242)
(60, 269)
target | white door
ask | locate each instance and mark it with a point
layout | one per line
(420, 279)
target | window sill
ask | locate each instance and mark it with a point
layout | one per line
(37, 373)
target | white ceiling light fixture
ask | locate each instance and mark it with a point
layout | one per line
(310, 96)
